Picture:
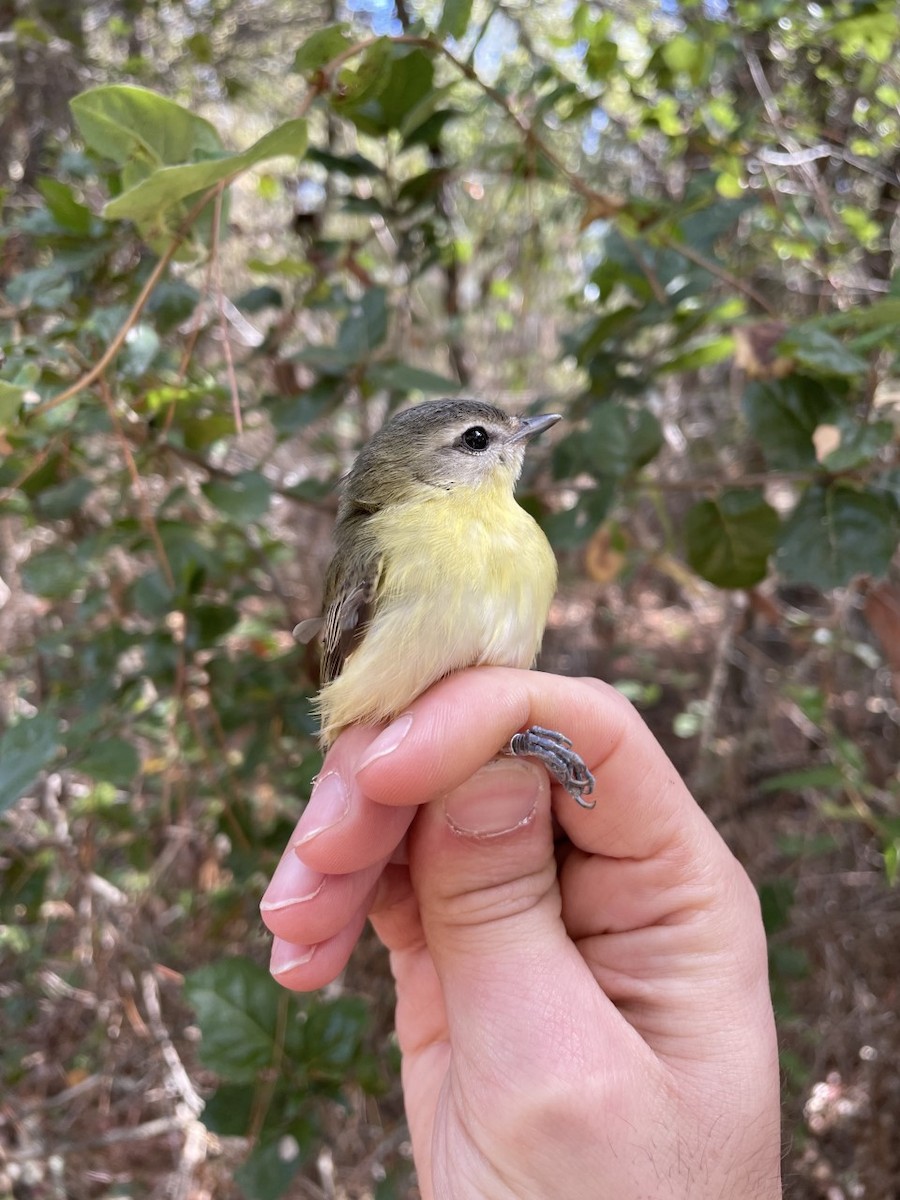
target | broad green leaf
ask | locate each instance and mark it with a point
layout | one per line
(68, 212)
(729, 539)
(860, 443)
(364, 82)
(112, 760)
(168, 185)
(141, 348)
(405, 79)
(365, 327)
(245, 498)
(25, 749)
(268, 1170)
(64, 499)
(236, 1003)
(55, 573)
(401, 377)
(835, 533)
(11, 399)
(121, 122)
(783, 414)
(321, 47)
(811, 347)
(455, 17)
(229, 1110)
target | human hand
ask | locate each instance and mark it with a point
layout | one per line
(590, 1020)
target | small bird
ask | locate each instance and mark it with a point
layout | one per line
(437, 568)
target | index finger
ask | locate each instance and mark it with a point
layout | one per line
(458, 725)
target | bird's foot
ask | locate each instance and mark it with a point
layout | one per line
(555, 751)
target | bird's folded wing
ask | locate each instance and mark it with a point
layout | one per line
(349, 614)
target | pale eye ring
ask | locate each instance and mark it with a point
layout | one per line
(476, 438)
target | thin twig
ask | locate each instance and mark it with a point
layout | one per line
(223, 324)
(180, 1080)
(720, 272)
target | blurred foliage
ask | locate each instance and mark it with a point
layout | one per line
(202, 317)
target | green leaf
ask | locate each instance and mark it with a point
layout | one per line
(25, 749)
(56, 503)
(141, 347)
(821, 353)
(123, 122)
(168, 185)
(67, 212)
(244, 498)
(268, 1170)
(402, 79)
(229, 1110)
(11, 399)
(236, 1003)
(55, 574)
(825, 776)
(112, 760)
(729, 539)
(362, 84)
(321, 47)
(783, 414)
(401, 377)
(836, 533)
(860, 443)
(365, 327)
(455, 17)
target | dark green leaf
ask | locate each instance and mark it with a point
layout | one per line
(365, 327)
(401, 377)
(55, 574)
(64, 499)
(836, 533)
(821, 353)
(68, 212)
(455, 18)
(321, 47)
(244, 498)
(236, 1004)
(112, 760)
(354, 166)
(25, 749)
(229, 1109)
(776, 901)
(860, 443)
(783, 414)
(729, 539)
(259, 298)
(267, 1172)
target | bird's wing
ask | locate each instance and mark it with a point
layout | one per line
(349, 612)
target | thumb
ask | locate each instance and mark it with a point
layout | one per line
(483, 868)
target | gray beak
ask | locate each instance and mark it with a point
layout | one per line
(530, 427)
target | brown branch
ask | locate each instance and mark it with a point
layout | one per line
(713, 268)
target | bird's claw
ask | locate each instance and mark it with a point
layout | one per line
(555, 751)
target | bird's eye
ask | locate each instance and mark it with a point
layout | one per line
(476, 438)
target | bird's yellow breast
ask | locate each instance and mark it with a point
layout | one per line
(468, 579)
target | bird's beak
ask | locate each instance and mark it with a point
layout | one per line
(530, 427)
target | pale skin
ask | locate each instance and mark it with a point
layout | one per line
(591, 1023)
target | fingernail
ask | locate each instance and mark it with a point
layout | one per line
(499, 798)
(328, 805)
(293, 883)
(387, 742)
(286, 958)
